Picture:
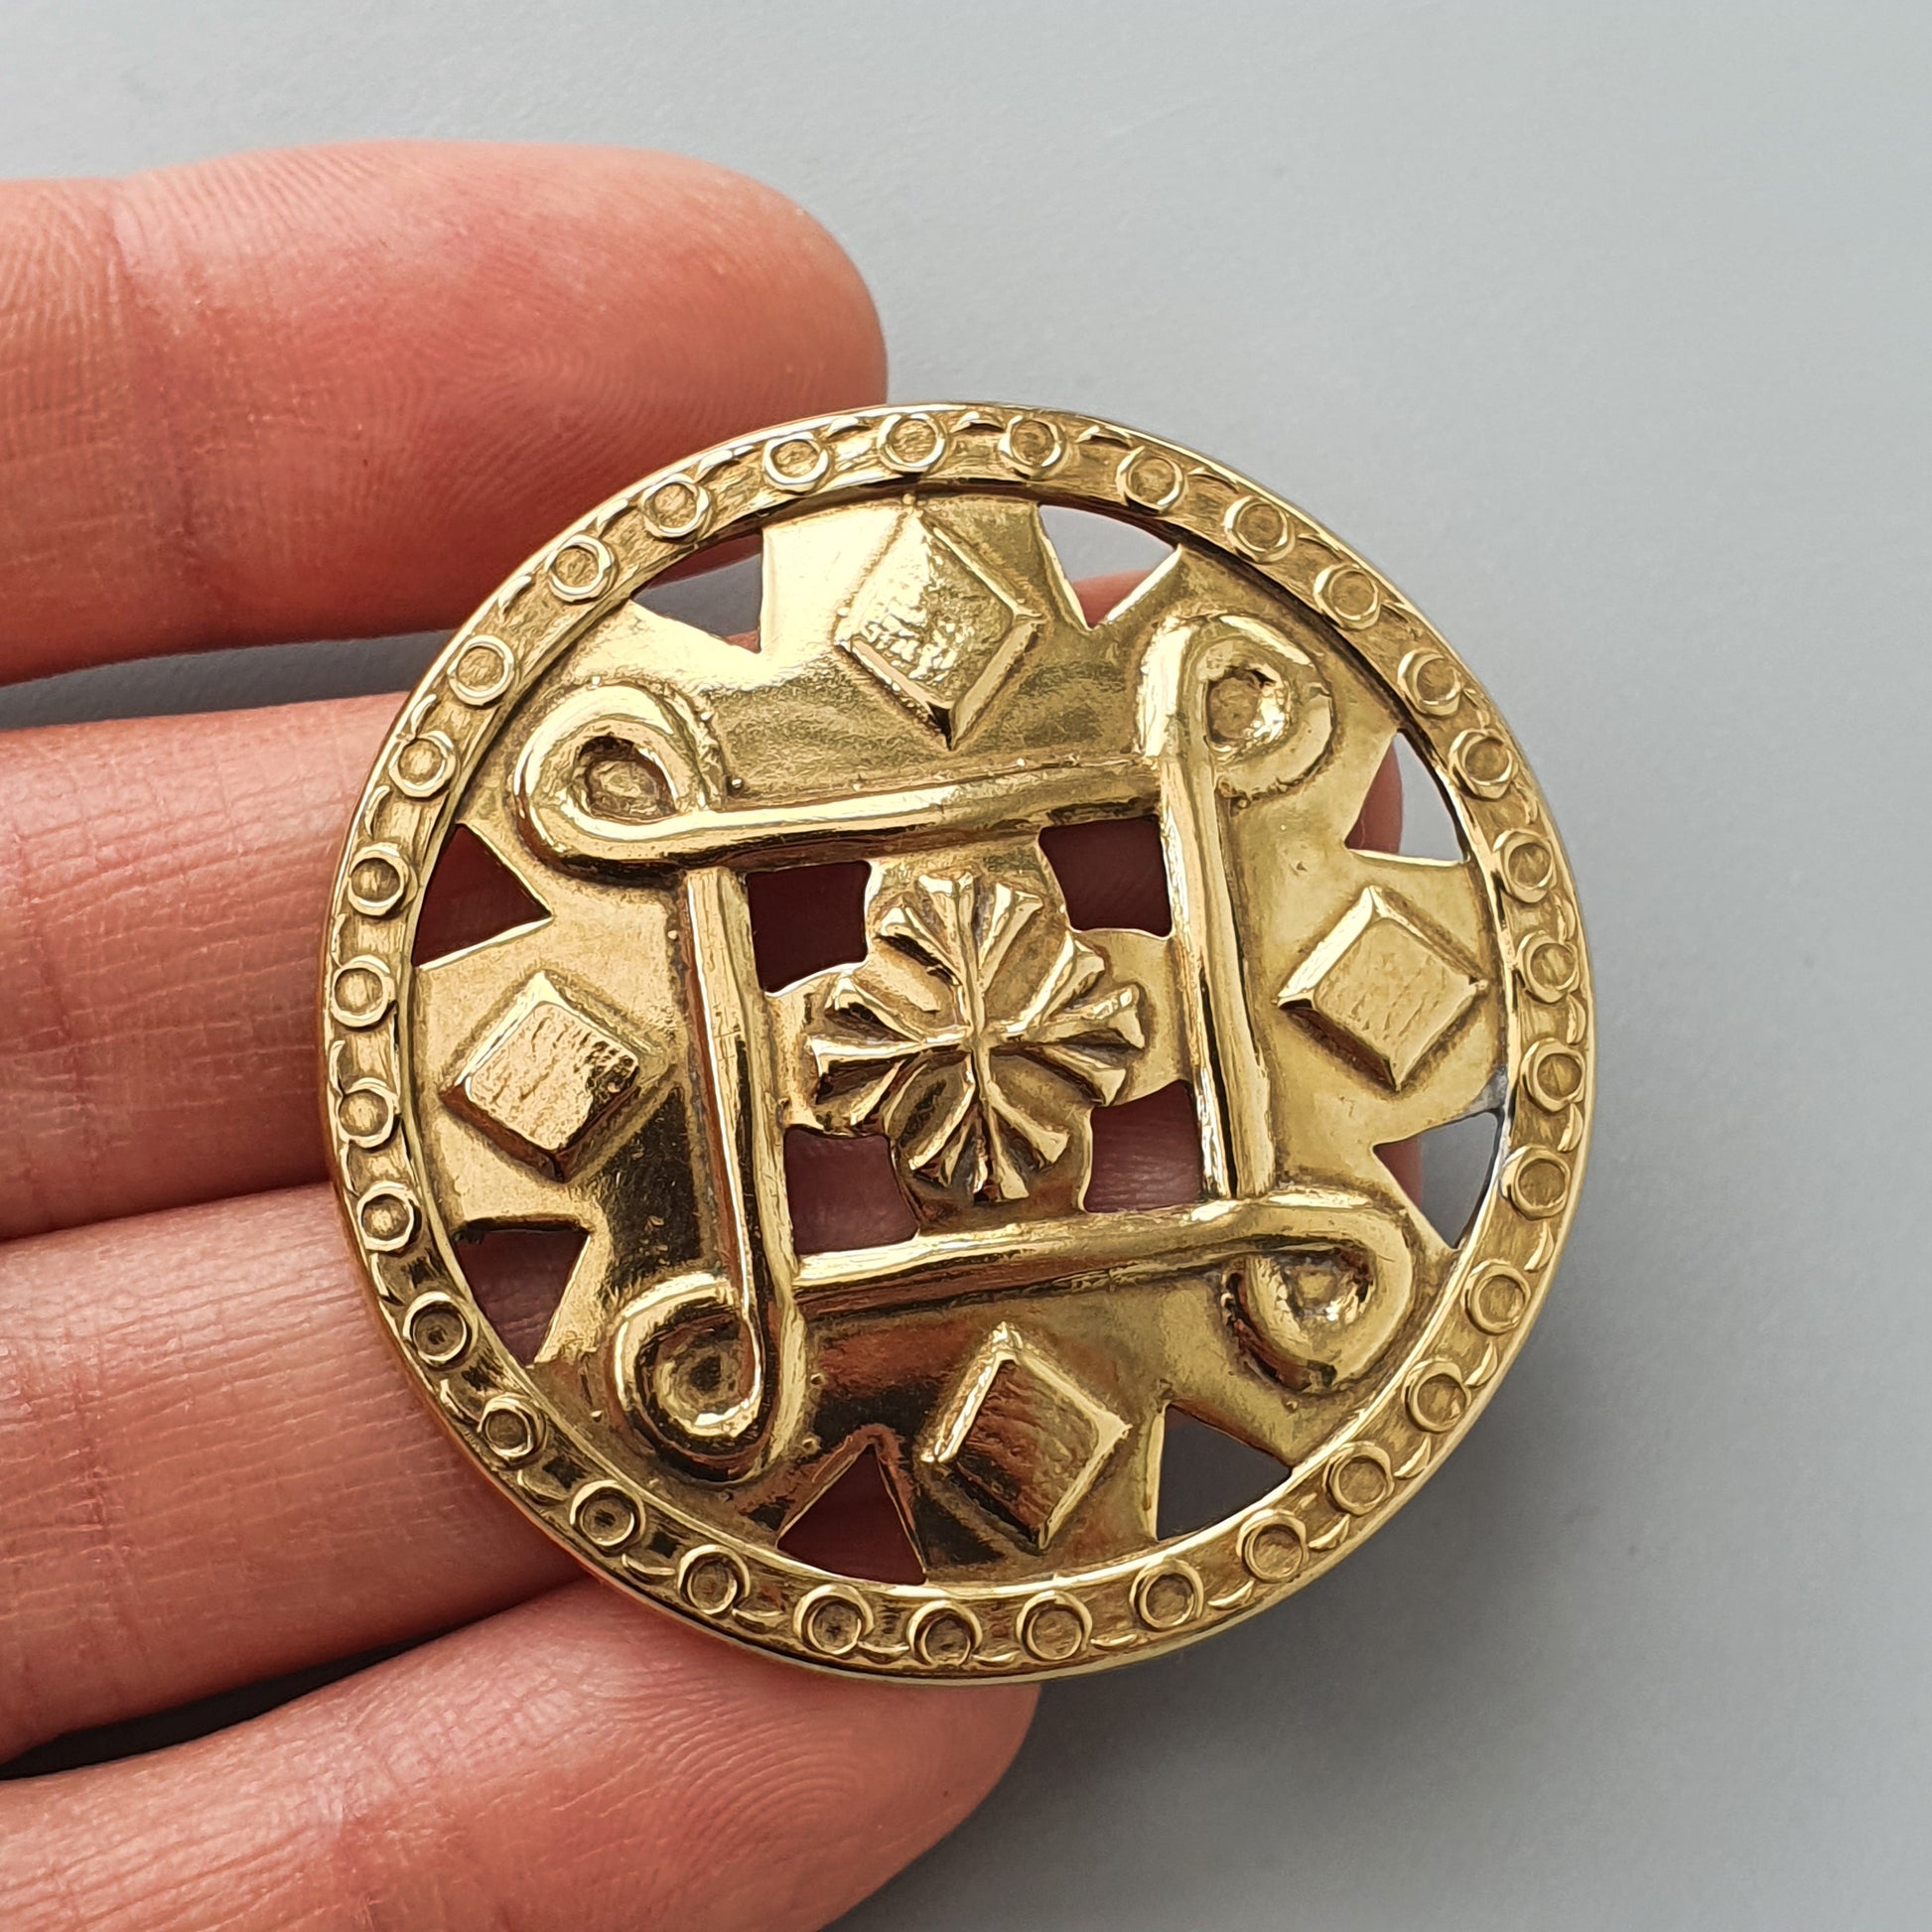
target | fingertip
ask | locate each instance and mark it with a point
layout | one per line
(341, 391)
(804, 255)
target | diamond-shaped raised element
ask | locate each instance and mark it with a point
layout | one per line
(936, 626)
(1382, 986)
(1023, 1435)
(546, 1078)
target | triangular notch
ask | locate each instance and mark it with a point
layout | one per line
(519, 1276)
(856, 1525)
(1446, 1171)
(471, 896)
(1207, 1474)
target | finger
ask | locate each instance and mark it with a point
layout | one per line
(217, 1472)
(341, 391)
(577, 1762)
(166, 882)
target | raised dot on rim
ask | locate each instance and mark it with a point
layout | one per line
(1528, 864)
(361, 992)
(1366, 1464)
(387, 1217)
(832, 1621)
(1437, 1412)
(1552, 1074)
(422, 765)
(1349, 595)
(911, 443)
(1168, 1595)
(795, 463)
(943, 1636)
(1551, 968)
(1150, 478)
(1273, 1547)
(1053, 1627)
(377, 881)
(483, 670)
(713, 1580)
(1032, 445)
(1483, 764)
(1258, 529)
(1537, 1181)
(675, 508)
(371, 1122)
(1431, 682)
(574, 588)
(606, 1517)
(509, 1429)
(437, 1329)
(1497, 1298)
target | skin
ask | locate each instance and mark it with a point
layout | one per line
(326, 393)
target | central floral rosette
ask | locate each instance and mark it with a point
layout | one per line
(975, 1035)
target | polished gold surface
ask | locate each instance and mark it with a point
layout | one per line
(924, 695)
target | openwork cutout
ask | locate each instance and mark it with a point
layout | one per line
(856, 1527)
(1453, 1164)
(1145, 1153)
(1406, 811)
(723, 595)
(1428, 825)
(1106, 558)
(519, 1276)
(472, 899)
(843, 1193)
(1091, 543)
(1111, 873)
(1207, 1474)
(806, 918)
(1378, 826)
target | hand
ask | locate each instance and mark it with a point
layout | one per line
(339, 393)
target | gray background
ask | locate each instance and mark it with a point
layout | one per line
(1605, 329)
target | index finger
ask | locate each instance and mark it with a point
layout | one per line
(341, 391)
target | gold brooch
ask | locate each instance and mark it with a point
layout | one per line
(924, 727)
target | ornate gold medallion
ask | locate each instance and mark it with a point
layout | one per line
(925, 700)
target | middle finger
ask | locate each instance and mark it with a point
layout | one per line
(165, 880)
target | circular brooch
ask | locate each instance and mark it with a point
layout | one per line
(921, 746)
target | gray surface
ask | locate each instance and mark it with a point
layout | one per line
(1605, 328)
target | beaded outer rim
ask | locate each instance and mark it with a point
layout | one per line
(1090, 1617)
